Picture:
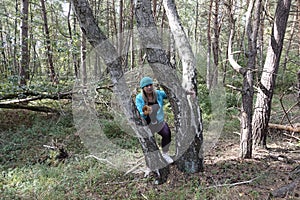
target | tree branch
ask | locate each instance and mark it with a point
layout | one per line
(232, 184)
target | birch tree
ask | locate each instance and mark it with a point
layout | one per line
(189, 129)
(109, 54)
(189, 83)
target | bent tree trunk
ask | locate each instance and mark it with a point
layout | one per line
(188, 83)
(262, 110)
(187, 114)
(112, 60)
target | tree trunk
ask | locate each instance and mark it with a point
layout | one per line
(166, 75)
(192, 159)
(50, 63)
(288, 48)
(109, 54)
(120, 46)
(298, 76)
(252, 26)
(267, 83)
(208, 58)
(24, 65)
(132, 53)
(74, 58)
(4, 62)
(16, 36)
(215, 44)
(83, 59)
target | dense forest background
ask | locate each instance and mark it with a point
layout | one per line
(43, 54)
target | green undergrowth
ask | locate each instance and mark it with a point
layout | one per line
(43, 157)
(30, 169)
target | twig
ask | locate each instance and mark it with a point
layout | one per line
(233, 87)
(232, 184)
(238, 133)
(292, 136)
(122, 182)
(133, 168)
(49, 147)
(100, 159)
(285, 112)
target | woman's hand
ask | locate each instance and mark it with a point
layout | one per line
(147, 110)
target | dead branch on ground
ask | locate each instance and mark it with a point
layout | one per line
(290, 128)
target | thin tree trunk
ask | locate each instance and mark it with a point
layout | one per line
(154, 9)
(208, 57)
(215, 44)
(83, 59)
(50, 63)
(267, 83)
(298, 76)
(132, 53)
(196, 21)
(252, 26)
(288, 48)
(114, 31)
(74, 58)
(24, 65)
(15, 49)
(120, 46)
(4, 63)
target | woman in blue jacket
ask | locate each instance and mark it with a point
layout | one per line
(150, 106)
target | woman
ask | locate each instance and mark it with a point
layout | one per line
(150, 106)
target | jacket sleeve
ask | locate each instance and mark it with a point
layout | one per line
(139, 102)
(162, 94)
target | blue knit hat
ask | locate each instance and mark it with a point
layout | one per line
(146, 81)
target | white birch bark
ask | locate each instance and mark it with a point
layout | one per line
(192, 156)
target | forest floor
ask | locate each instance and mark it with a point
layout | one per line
(28, 171)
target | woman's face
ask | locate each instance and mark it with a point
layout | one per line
(148, 89)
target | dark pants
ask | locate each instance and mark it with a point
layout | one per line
(165, 133)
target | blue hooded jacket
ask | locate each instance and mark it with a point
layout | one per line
(161, 95)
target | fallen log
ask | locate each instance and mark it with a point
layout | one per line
(290, 128)
(285, 190)
(32, 108)
(12, 101)
(36, 96)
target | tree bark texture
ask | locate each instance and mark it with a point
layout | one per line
(247, 96)
(24, 65)
(109, 54)
(50, 63)
(187, 130)
(262, 110)
(189, 83)
(215, 44)
(208, 58)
